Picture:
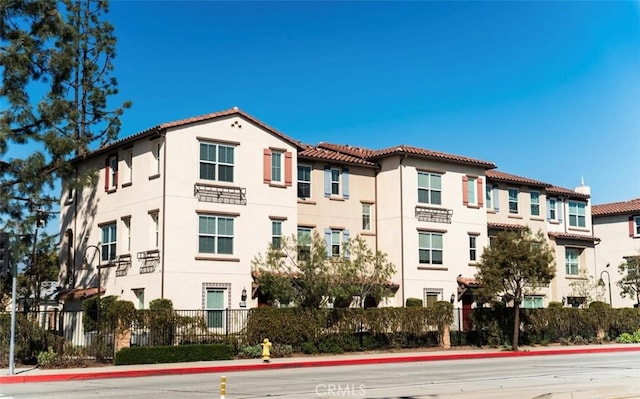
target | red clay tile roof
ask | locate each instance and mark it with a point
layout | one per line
(509, 178)
(568, 236)
(324, 154)
(347, 149)
(182, 122)
(469, 282)
(79, 293)
(617, 208)
(424, 153)
(504, 226)
(565, 192)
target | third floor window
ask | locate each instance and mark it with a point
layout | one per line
(577, 214)
(429, 188)
(216, 162)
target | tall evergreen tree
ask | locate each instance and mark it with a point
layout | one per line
(56, 60)
(516, 263)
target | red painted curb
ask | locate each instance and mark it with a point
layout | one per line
(17, 379)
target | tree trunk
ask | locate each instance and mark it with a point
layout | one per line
(516, 325)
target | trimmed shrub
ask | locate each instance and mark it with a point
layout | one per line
(413, 302)
(173, 354)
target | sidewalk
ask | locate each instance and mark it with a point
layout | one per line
(25, 375)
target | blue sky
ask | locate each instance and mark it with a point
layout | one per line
(547, 90)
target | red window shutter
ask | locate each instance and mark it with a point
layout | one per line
(287, 168)
(267, 166)
(106, 174)
(480, 193)
(632, 227)
(465, 190)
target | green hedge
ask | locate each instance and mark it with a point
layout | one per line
(173, 354)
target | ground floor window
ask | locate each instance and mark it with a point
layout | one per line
(533, 302)
(215, 307)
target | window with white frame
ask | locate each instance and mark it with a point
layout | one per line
(472, 195)
(577, 214)
(473, 247)
(276, 234)
(111, 174)
(109, 240)
(430, 248)
(431, 296)
(277, 166)
(513, 200)
(127, 233)
(553, 212)
(533, 302)
(215, 234)
(304, 243)
(157, 156)
(215, 307)
(139, 293)
(429, 188)
(636, 226)
(128, 161)
(488, 199)
(366, 217)
(335, 181)
(304, 181)
(535, 203)
(336, 242)
(216, 162)
(572, 261)
(155, 229)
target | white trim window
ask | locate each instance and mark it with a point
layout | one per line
(430, 248)
(535, 203)
(533, 302)
(636, 226)
(577, 214)
(127, 231)
(572, 261)
(276, 234)
(429, 188)
(431, 296)
(215, 307)
(553, 210)
(366, 217)
(513, 200)
(277, 166)
(216, 162)
(473, 248)
(128, 160)
(304, 181)
(157, 155)
(155, 229)
(304, 243)
(215, 234)
(109, 241)
(335, 181)
(472, 184)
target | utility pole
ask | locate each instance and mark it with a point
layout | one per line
(7, 267)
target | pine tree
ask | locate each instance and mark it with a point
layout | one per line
(56, 60)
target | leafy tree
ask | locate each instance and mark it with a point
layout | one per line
(516, 262)
(365, 273)
(297, 270)
(586, 287)
(630, 282)
(56, 60)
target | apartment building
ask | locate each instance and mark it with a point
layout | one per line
(180, 210)
(618, 226)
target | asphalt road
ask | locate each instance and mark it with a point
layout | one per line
(593, 376)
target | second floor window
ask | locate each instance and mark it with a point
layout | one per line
(634, 230)
(216, 162)
(366, 217)
(571, 261)
(473, 248)
(471, 190)
(553, 215)
(215, 235)
(109, 239)
(577, 214)
(429, 188)
(277, 158)
(430, 248)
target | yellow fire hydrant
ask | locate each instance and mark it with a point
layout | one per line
(266, 350)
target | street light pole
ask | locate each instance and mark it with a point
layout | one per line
(608, 283)
(97, 249)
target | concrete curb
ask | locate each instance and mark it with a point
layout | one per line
(113, 373)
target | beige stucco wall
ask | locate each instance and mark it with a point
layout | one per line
(615, 245)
